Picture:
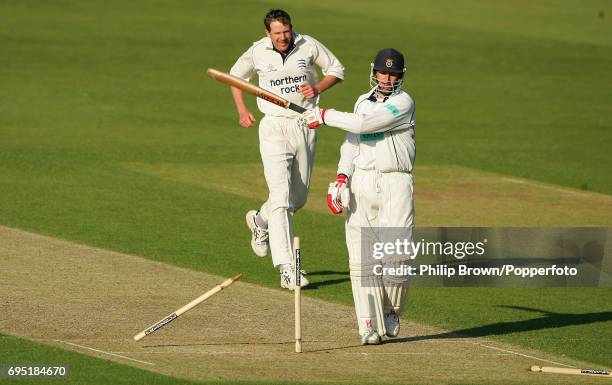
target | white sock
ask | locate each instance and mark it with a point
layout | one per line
(285, 266)
(259, 221)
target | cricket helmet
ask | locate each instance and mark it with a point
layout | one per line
(388, 60)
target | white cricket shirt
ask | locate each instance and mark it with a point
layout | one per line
(283, 75)
(381, 134)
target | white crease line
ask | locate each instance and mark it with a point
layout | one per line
(506, 351)
(583, 194)
(103, 352)
(518, 354)
(355, 353)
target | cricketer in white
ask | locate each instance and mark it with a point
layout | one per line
(375, 183)
(285, 63)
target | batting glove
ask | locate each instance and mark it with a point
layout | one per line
(338, 194)
(315, 117)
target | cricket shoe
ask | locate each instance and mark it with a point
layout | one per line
(287, 278)
(370, 337)
(392, 324)
(259, 238)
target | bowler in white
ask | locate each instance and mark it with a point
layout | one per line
(285, 63)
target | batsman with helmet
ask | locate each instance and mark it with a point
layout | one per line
(375, 184)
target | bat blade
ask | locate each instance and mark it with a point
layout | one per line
(253, 90)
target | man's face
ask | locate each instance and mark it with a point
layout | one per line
(386, 81)
(281, 35)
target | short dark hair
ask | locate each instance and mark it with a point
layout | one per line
(277, 15)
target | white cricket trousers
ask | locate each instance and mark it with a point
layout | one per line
(378, 200)
(287, 148)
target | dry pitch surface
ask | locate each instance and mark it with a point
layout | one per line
(93, 301)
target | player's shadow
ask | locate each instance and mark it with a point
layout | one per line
(318, 284)
(548, 320)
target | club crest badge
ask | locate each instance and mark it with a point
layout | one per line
(271, 68)
(389, 63)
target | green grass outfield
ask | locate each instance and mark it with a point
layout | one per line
(82, 369)
(90, 89)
